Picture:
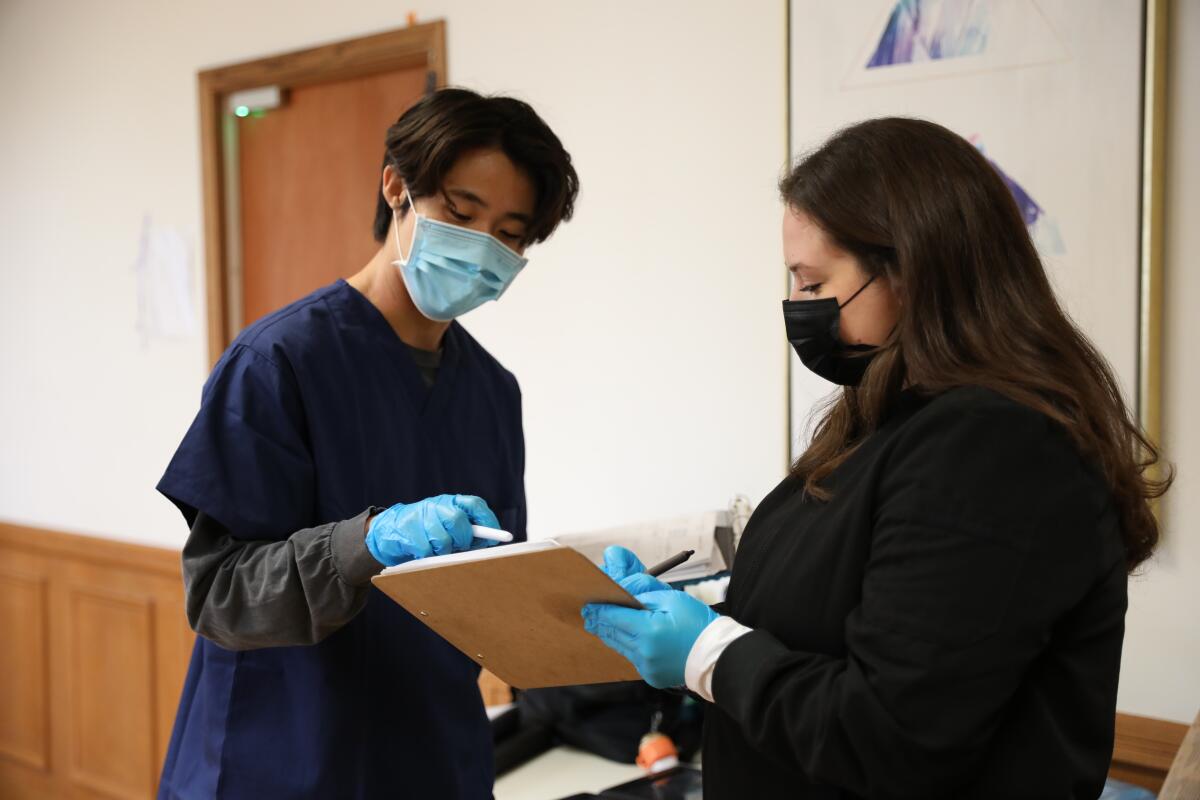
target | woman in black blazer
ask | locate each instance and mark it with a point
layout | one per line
(932, 603)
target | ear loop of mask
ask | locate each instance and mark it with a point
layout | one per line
(856, 294)
(412, 207)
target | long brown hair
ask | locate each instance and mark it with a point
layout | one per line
(918, 204)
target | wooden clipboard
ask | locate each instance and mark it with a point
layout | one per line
(517, 613)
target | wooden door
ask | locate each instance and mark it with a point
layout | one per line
(308, 176)
(289, 194)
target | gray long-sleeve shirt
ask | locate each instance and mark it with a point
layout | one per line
(249, 594)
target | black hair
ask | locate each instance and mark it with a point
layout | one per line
(430, 137)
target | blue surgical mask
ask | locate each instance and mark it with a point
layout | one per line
(451, 270)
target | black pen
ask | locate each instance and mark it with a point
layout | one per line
(671, 563)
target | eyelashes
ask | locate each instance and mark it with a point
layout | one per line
(464, 218)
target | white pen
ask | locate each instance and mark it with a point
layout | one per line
(491, 533)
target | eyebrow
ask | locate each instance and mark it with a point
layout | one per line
(471, 197)
(795, 265)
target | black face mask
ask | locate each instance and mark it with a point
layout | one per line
(812, 328)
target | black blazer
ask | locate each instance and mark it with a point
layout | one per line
(948, 625)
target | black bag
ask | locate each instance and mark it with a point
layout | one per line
(607, 719)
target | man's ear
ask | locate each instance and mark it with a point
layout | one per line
(392, 187)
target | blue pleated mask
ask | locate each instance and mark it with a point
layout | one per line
(451, 270)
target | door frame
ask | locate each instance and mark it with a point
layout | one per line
(405, 48)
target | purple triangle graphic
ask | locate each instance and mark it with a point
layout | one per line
(1042, 228)
(931, 30)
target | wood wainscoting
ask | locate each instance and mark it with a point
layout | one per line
(96, 647)
(1145, 748)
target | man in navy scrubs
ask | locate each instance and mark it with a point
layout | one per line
(358, 428)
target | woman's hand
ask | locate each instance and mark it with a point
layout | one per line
(432, 527)
(621, 562)
(656, 641)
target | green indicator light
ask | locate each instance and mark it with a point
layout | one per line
(242, 111)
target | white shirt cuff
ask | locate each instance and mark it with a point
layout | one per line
(706, 650)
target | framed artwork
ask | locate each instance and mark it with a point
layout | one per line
(1062, 96)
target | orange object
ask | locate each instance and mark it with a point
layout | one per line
(657, 752)
(412, 18)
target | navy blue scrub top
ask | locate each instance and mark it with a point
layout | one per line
(315, 413)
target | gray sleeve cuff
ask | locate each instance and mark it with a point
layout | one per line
(348, 544)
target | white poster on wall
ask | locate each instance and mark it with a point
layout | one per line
(1048, 90)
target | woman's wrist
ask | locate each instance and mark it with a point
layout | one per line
(706, 651)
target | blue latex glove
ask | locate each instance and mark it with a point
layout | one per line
(621, 562)
(640, 583)
(656, 641)
(432, 527)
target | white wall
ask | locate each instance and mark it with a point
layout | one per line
(1160, 673)
(624, 330)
